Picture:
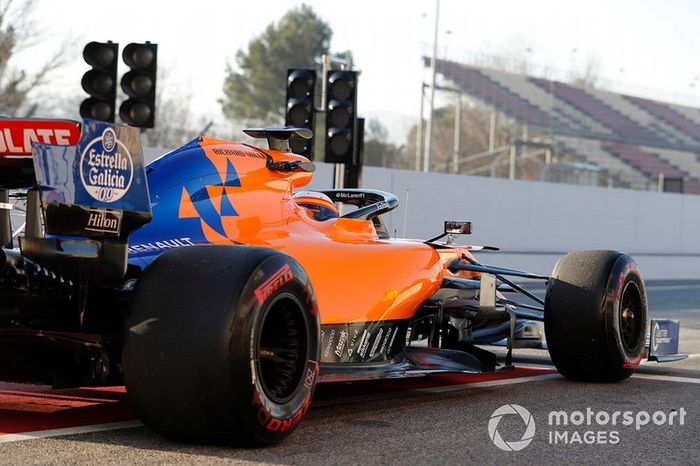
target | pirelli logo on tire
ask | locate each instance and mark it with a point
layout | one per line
(271, 423)
(275, 282)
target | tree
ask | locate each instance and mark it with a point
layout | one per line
(377, 151)
(589, 75)
(255, 88)
(17, 33)
(474, 137)
(174, 123)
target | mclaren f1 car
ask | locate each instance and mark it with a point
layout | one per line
(221, 293)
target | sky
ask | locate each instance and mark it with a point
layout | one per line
(647, 47)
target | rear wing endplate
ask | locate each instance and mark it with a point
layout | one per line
(88, 183)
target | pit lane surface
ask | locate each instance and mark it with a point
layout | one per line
(418, 422)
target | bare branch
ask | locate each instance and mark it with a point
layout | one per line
(17, 34)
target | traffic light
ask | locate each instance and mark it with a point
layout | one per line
(100, 82)
(341, 97)
(139, 84)
(353, 171)
(299, 112)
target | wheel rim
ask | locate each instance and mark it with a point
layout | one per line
(631, 318)
(282, 348)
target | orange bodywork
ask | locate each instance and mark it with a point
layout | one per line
(356, 276)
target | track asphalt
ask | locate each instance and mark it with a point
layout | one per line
(439, 419)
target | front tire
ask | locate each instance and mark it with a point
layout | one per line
(595, 316)
(222, 345)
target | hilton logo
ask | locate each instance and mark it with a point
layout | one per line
(104, 221)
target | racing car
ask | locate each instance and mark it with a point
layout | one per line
(220, 292)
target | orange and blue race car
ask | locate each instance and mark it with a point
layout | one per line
(221, 293)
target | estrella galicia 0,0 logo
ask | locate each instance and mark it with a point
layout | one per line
(106, 167)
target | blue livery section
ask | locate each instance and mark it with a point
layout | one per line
(185, 171)
(104, 177)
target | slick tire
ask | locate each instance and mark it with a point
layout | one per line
(595, 316)
(221, 345)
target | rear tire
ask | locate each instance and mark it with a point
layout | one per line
(595, 316)
(221, 345)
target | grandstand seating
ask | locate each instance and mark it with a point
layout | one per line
(493, 93)
(664, 130)
(632, 139)
(646, 162)
(667, 114)
(680, 159)
(610, 117)
(651, 164)
(571, 116)
(591, 151)
(693, 114)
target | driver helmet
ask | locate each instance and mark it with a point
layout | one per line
(318, 205)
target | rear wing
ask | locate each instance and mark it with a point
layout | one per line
(87, 182)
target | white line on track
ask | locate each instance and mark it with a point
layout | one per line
(68, 431)
(667, 378)
(672, 287)
(535, 378)
(661, 378)
(449, 388)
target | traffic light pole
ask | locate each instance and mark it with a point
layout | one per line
(338, 168)
(428, 156)
(421, 128)
(457, 134)
(457, 124)
(326, 63)
(353, 172)
(338, 175)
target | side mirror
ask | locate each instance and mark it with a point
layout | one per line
(457, 228)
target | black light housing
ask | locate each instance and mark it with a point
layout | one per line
(100, 82)
(139, 84)
(341, 116)
(299, 111)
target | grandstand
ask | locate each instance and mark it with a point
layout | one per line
(629, 141)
